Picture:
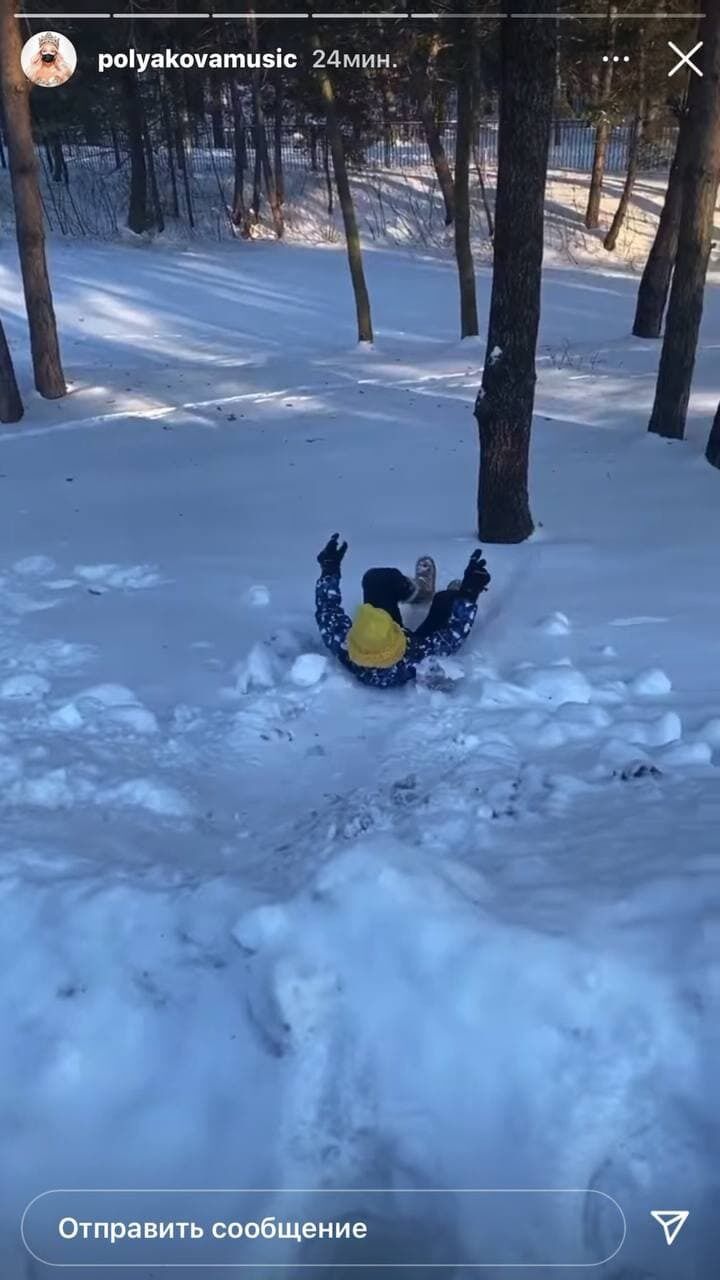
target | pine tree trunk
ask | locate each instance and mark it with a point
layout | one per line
(633, 150)
(167, 130)
(602, 137)
(630, 175)
(216, 115)
(182, 160)
(700, 185)
(602, 132)
(3, 159)
(504, 404)
(712, 452)
(422, 90)
(30, 230)
(483, 192)
(11, 406)
(655, 282)
(138, 218)
(439, 158)
(159, 217)
(326, 170)
(262, 157)
(239, 211)
(466, 33)
(59, 167)
(277, 139)
(352, 235)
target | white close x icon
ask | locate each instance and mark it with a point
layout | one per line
(685, 58)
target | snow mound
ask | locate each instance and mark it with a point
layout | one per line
(688, 753)
(308, 669)
(556, 624)
(103, 705)
(145, 793)
(652, 733)
(710, 732)
(558, 684)
(391, 947)
(34, 566)
(258, 597)
(135, 577)
(27, 686)
(652, 683)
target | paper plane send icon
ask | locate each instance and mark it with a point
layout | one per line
(672, 1221)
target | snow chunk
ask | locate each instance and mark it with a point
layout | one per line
(557, 684)
(66, 717)
(136, 718)
(495, 355)
(439, 673)
(258, 597)
(308, 669)
(134, 577)
(110, 695)
(33, 566)
(257, 671)
(105, 703)
(143, 793)
(556, 624)
(651, 683)
(28, 686)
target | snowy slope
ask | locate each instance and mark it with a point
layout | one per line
(264, 927)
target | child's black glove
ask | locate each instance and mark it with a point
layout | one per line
(330, 558)
(476, 577)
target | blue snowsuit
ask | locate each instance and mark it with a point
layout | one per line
(458, 616)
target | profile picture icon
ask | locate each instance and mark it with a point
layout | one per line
(48, 59)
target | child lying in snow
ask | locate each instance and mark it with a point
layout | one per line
(375, 646)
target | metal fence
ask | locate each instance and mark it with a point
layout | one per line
(85, 187)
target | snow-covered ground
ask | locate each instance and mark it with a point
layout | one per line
(263, 927)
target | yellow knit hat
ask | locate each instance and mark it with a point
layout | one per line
(374, 639)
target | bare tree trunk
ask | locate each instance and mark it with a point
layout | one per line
(602, 131)
(466, 34)
(697, 216)
(30, 231)
(422, 82)
(138, 218)
(352, 235)
(712, 452)
(504, 404)
(11, 406)
(655, 282)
